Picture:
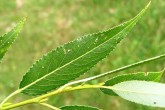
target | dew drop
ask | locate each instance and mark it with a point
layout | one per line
(96, 40)
(79, 39)
(64, 50)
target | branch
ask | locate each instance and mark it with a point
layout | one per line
(50, 106)
(7, 98)
(114, 71)
(66, 87)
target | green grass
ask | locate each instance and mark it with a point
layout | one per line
(51, 23)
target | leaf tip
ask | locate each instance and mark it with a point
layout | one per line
(148, 4)
(24, 19)
(20, 25)
(146, 7)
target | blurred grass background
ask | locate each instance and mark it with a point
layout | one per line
(54, 22)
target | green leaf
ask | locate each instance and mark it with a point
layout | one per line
(142, 92)
(149, 76)
(8, 38)
(71, 60)
(78, 107)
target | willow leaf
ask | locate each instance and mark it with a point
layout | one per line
(8, 38)
(142, 92)
(71, 60)
(149, 76)
(79, 107)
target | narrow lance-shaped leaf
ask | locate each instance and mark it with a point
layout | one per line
(79, 107)
(71, 60)
(142, 92)
(146, 76)
(8, 38)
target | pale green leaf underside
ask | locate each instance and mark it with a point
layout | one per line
(8, 38)
(142, 92)
(149, 76)
(71, 60)
(78, 107)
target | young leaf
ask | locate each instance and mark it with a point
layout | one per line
(71, 60)
(142, 92)
(8, 38)
(149, 76)
(78, 107)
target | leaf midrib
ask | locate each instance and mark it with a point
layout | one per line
(76, 58)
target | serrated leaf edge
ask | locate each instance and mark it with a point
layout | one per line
(136, 18)
(15, 29)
